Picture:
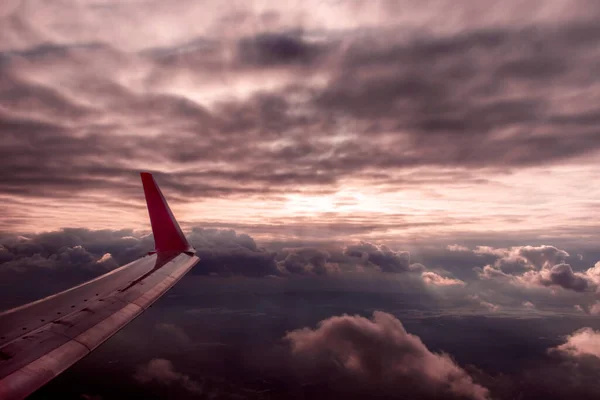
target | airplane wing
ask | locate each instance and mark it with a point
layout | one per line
(40, 340)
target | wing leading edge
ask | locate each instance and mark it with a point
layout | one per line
(40, 340)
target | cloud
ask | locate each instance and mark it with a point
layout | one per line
(222, 252)
(225, 252)
(562, 275)
(523, 258)
(483, 303)
(457, 247)
(380, 351)
(162, 371)
(72, 248)
(123, 245)
(541, 265)
(541, 256)
(67, 258)
(70, 256)
(306, 260)
(432, 278)
(529, 305)
(380, 256)
(595, 308)
(584, 342)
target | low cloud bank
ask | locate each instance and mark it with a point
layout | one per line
(222, 252)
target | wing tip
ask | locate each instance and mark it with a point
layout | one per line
(167, 233)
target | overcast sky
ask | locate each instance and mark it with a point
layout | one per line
(315, 120)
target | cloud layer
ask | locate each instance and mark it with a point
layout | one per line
(483, 279)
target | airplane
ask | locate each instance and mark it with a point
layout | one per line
(40, 340)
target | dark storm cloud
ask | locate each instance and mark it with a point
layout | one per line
(380, 351)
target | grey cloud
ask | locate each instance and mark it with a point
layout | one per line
(540, 265)
(225, 252)
(222, 251)
(306, 260)
(563, 275)
(543, 256)
(69, 256)
(520, 259)
(380, 256)
(125, 245)
(381, 352)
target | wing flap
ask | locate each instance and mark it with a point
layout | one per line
(24, 381)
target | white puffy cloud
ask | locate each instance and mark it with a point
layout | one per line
(583, 342)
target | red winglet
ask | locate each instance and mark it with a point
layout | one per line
(167, 233)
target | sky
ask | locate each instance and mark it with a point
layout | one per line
(387, 120)
(356, 174)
